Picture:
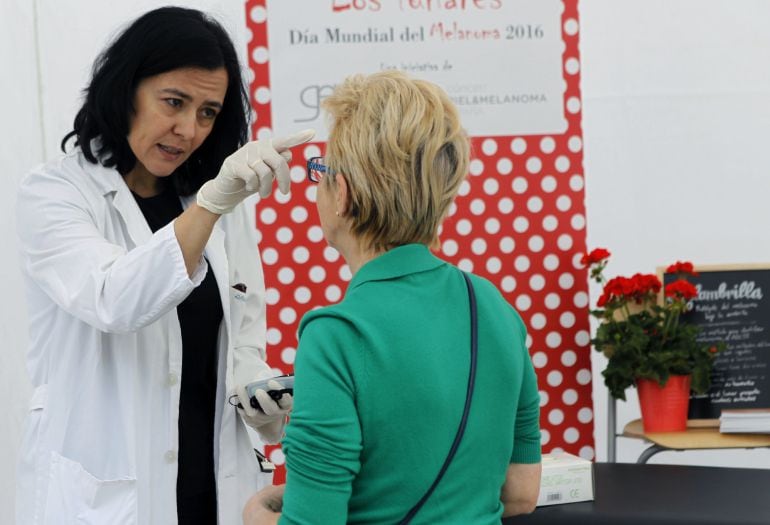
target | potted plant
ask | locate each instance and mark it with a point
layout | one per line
(645, 344)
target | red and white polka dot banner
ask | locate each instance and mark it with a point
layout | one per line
(518, 221)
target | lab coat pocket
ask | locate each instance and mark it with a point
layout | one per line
(237, 305)
(77, 497)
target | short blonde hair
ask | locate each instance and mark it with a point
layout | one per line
(400, 146)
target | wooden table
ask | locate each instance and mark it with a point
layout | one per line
(696, 437)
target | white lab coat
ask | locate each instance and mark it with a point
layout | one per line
(105, 353)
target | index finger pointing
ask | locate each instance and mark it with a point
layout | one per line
(284, 143)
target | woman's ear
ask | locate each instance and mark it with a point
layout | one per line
(342, 195)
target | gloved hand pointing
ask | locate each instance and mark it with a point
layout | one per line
(249, 170)
(271, 419)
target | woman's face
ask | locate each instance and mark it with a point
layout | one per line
(175, 112)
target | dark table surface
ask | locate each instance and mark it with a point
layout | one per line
(631, 494)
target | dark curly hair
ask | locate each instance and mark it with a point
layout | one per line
(162, 40)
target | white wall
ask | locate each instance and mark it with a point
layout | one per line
(63, 38)
(676, 121)
(676, 108)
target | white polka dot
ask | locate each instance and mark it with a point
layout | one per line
(273, 336)
(489, 147)
(494, 265)
(537, 282)
(536, 243)
(317, 274)
(547, 145)
(298, 214)
(492, 226)
(491, 186)
(562, 164)
(519, 185)
(576, 261)
(585, 415)
(576, 183)
(534, 165)
(507, 245)
(528, 341)
(538, 321)
(563, 203)
(523, 303)
(582, 338)
(262, 95)
(264, 133)
(315, 234)
(518, 146)
(287, 315)
(301, 255)
(249, 35)
(302, 294)
(476, 167)
(572, 66)
(539, 360)
(583, 376)
(564, 242)
(277, 457)
(477, 206)
(333, 293)
(288, 355)
(571, 435)
(310, 151)
(267, 215)
(250, 76)
(573, 105)
(479, 246)
(272, 296)
(465, 265)
(345, 273)
(571, 26)
(569, 397)
(555, 416)
(567, 320)
(545, 436)
(568, 358)
(452, 209)
(552, 301)
(554, 378)
(566, 281)
(575, 144)
(581, 299)
(310, 193)
(508, 284)
(544, 397)
(331, 254)
(587, 453)
(449, 247)
(550, 223)
(505, 205)
(578, 222)
(521, 224)
(465, 188)
(260, 55)
(297, 174)
(550, 262)
(521, 263)
(535, 204)
(553, 339)
(286, 276)
(269, 256)
(258, 14)
(281, 198)
(284, 235)
(464, 227)
(548, 184)
(504, 166)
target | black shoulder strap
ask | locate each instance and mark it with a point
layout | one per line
(468, 398)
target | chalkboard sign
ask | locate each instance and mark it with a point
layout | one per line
(733, 305)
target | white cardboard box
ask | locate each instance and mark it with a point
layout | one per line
(566, 479)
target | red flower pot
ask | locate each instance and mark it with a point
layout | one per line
(664, 408)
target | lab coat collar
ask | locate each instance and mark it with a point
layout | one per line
(395, 263)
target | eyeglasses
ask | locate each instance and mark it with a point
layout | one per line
(317, 168)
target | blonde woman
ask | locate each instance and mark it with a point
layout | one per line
(382, 376)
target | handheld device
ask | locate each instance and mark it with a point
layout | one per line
(287, 387)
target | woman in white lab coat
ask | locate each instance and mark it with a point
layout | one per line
(145, 290)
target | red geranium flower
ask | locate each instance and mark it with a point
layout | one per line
(681, 289)
(595, 256)
(680, 267)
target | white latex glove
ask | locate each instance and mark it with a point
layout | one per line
(271, 419)
(249, 170)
